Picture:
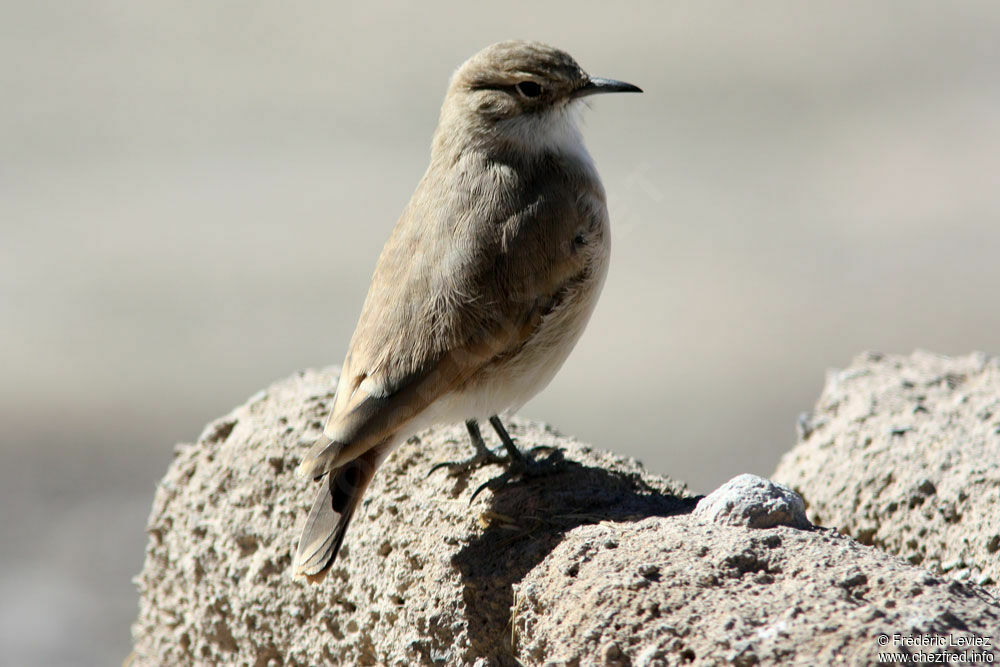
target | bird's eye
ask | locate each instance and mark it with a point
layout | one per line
(529, 89)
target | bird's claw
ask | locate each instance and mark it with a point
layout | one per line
(523, 469)
(458, 468)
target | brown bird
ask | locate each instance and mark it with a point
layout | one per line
(483, 288)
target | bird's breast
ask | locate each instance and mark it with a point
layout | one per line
(513, 378)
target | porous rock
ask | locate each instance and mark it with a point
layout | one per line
(754, 502)
(423, 577)
(903, 453)
(668, 591)
(598, 563)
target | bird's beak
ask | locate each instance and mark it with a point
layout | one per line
(599, 85)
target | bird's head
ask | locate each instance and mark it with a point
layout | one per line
(522, 91)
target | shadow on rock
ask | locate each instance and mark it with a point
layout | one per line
(525, 521)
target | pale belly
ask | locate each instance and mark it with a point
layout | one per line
(508, 385)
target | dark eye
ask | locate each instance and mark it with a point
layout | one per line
(529, 89)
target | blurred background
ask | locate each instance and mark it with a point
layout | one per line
(193, 196)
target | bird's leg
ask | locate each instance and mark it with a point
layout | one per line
(519, 466)
(483, 456)
(513, 452)
(514, 455)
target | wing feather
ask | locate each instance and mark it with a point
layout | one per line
(461, 281)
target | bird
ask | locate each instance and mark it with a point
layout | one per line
(484, 286)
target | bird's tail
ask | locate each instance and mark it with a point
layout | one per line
(339, 492)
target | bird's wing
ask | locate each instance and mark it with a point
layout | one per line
(452, 291)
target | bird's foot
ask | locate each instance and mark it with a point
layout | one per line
(524, 468)
(483, 457)
(519, 466)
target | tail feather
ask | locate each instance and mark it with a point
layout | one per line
(317, 461)
(336, 499)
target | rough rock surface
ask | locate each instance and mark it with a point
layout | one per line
(754, 502)
(599, 563)
(903, 452)
(664, 591)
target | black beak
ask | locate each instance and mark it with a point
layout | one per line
(598, 85)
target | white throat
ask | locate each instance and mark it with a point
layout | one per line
(556, 130)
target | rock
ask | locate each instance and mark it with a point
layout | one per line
(903, 453)
(598, 561)
(729, 595)
(754, 502)
(422, 577)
